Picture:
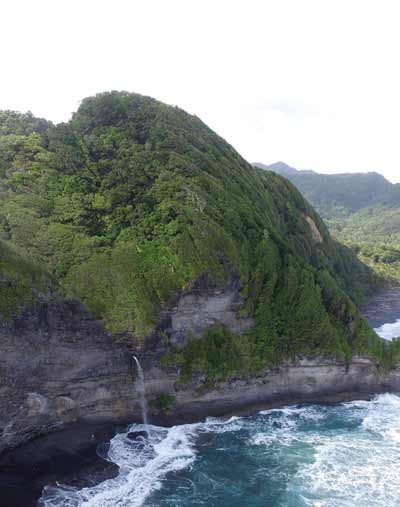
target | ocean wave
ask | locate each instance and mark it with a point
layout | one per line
(284, 425)
(389, 331)
(357, 468)
(143, 465)
(221, 425)
(343, 455)
(349, 472)
(383, 417)
(281, 429)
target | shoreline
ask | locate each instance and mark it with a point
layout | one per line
(69, 455)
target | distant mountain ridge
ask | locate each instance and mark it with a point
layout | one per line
(283, 169)
(356, 206)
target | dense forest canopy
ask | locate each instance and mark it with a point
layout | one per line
(132, 201)
(362, 210)
(364, 207)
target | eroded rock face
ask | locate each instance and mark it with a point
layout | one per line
(317, 236)
(203, 307)
(58, 365)
(304, 380)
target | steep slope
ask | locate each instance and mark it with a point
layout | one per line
(21, 281)
(133, 202)
(214, 273)
(362, 207)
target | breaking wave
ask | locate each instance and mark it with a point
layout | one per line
(344, 455)
(389, 331)
(143, 464)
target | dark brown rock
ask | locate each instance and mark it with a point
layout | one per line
(58, 365)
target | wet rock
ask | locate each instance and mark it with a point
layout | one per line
(59, 365)
(134, 435)
(69, 456)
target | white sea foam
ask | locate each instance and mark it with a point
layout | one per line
(304, 412)
(283, 426)
(337, 456)
(219, 425)
(357, 468)
(389, 331)
(281, 429)
(383, 417)
(143, 465)
(348, 473)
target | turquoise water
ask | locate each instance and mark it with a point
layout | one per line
(346, 455)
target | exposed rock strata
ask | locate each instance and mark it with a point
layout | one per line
(303, 380)
(59, 366)
(202, 307)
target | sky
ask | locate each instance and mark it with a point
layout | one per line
(314, 83)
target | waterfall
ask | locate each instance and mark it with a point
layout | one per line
(142, 392)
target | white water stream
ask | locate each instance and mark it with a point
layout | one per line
(142, 392)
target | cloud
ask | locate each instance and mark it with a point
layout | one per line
(314, 83)
(290, 107)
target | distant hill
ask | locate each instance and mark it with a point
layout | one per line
(279, 167)
(363, 207)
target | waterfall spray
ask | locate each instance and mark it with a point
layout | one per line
(142, 392)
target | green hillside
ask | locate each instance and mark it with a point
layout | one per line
(364, 207)
(134, 201)
(361, 210)
(20, 281)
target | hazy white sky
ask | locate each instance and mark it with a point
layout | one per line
(315, 83)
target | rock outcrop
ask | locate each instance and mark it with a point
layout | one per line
(304, 380)
(315, 232)
(203, 306)
(59, 367)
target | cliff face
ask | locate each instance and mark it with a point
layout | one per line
(304, 380)
(59, 366)
(203, 306)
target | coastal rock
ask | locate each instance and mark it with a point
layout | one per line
(67, 383)
(134, 435)
(305, 380)
(60, 367)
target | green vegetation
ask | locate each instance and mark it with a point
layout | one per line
(163, 403)
(20, 281)
(298, 314)
(133, 201)
(361, 207)
(361, 210)
(379, 224)
(383, 259)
